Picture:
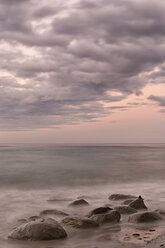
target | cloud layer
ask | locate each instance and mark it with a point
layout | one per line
(62, 61)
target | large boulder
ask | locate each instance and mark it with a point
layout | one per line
(125, 210)
(79, 202)
(138, 203)
(53, 212)
(110, 217)
(45, 229)
(117, 197)
(99, 210)
(78, 222)
(144, 217)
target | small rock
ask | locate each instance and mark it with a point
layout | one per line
(136, 234)
(160, 211)
(116, 197)
(48, 229)
(53, 211)
(112, 216)
(33, 218)
(22, 220)
(80, 222)
(125, 210)
(79, 202)
(138, 203)
(152, 230)
(99, 210)
(144, 217)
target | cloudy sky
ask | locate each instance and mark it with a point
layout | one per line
(82, 71)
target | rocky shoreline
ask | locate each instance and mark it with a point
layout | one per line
(52, 224)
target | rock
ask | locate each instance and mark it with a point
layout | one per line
(138, 203)
(112, 216)
(117, 197)
(80, 222)
(53, 211)
(160, 211)
(22, 220)
(99, 210)
(144, 217)
(33, 218)
(127, 202)
(125, 210)
(79, 202)
(47, 229)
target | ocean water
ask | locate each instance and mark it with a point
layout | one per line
(32, 174)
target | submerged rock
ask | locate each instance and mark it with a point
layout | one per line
(112, 216)
(99, 210)
(125, 210)
(79, 202)
(144, 217)
(160, 211)
(53, 211)
(116, 197)
(33, 218)
(80, 222)
(47, 229)
(138, 203)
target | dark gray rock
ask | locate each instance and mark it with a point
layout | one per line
(80, 222)
(125, 210)
(110, 217)
(144, 217)
(47, 229)
(117, 197)
(53, 212)
(138, 203)
(127, 202)
(79, 202)
(99, 210)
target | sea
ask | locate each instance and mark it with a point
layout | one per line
(36, 177)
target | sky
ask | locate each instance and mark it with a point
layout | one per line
(82, 71)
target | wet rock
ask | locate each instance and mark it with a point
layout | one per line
(136, 234)
(117, 197)
(22, 220)
(53, 211)
(144, 217)
(125, 210)
(160, 211)
(33, 218)
(79, 202)
(99, 210)
(80, 222)
(127, 202)
(138, 203)
(47, 229)
(110, 217)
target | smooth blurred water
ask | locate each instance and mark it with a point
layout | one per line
(32, 174)
(36, 166)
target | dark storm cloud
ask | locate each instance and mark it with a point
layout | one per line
(61, 61)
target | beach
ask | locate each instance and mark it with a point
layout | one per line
(55, 176)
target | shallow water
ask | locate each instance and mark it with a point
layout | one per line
(32, 174)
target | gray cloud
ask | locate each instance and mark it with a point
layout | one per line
(160, 100)
(62, 60)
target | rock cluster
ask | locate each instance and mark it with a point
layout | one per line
(39, 227)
